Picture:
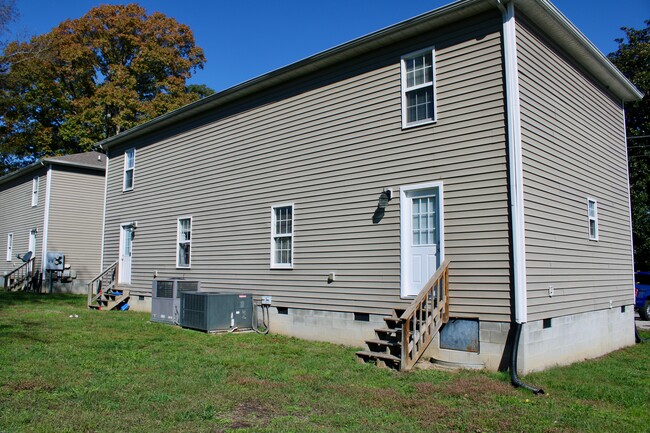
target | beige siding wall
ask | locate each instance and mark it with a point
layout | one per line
(330, 143)
(76, 216)
(573, 147)
(17, 216)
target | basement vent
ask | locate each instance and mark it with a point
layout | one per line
(622, 308)
(362, 317)
(283, 310)
(547, 323)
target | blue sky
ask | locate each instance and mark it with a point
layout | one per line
(248, 38)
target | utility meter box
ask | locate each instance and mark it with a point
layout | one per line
(214, 312)
(55, 261)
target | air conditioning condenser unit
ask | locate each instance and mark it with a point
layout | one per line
(166, 298)
(213, 312)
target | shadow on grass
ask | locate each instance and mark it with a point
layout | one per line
(10, 299)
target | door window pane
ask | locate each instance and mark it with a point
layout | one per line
(424, 220)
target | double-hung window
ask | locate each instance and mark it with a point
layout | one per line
(282, 236)
(592, 214)
(129, 169)
(184, 243)
(35, 191)
(10, 246)
(418, 88)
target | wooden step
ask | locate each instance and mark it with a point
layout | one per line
(393, 322)
(384, 343)
(382, 359)
(109, 301)
(388, 330)
(385, 346)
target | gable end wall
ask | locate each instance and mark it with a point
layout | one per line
(573, 140)
(75, 224)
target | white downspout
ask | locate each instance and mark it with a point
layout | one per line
(46, 218)
(101, 259)
(515, 161)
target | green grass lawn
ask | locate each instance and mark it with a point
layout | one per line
(118, 372)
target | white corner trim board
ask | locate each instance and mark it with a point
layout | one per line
(46, 218)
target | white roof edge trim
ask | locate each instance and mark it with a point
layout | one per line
(44, 163)
(455, 10)
(285, 73)
(622, 86)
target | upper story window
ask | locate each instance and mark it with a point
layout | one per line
(418, 88)
(592, 212)
(282, 236)
(129, 169)
(10, 246)
(184, 243)
(35, 182)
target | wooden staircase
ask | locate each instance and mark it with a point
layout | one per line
(409, 332)
(21, 278)
(103, 293)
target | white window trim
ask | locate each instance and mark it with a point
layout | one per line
(594, 218)
(124, 188)
(275, 265)
(178, 240)
(35, 186)
(405, 89)
(10, 246)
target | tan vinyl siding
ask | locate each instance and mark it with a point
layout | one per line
(17, 216)
(573, 139)
(75, 225)
(329, 144)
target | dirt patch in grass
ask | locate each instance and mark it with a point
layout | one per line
(477, 388)
(29, 385)
(248, 414)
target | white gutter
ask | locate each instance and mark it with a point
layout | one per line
(46, 219)
(515, 161)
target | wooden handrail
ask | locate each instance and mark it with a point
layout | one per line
(424, 317)
(21, 273)
(95, 285)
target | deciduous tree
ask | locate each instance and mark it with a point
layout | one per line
(91, 78)
(633, 59)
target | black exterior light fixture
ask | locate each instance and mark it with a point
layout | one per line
(384, 198)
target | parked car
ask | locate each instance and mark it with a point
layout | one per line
(642, 294)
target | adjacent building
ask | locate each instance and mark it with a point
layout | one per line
(55, 205)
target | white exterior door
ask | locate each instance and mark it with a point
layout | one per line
(32, 242)
(421, 234)
(126, 249)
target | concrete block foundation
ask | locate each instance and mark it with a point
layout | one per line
(543, 344)
(569, 339)
(329, 326)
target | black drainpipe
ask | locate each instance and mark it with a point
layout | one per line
(516, 382)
